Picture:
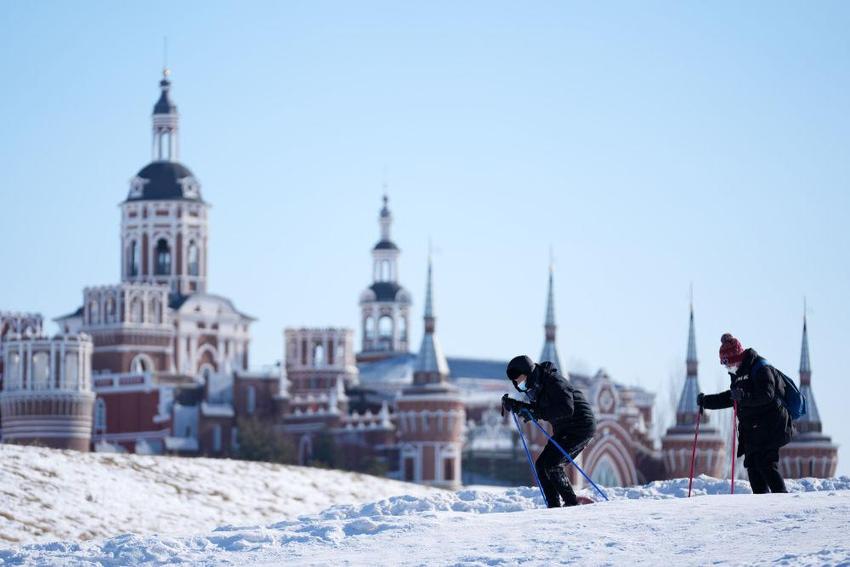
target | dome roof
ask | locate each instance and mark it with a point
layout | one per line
(385, 245)
(386, 291)
(164, 180)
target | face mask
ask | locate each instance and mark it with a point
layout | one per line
(732, 368)
(523, 386)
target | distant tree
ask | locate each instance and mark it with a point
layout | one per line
(258, 441)
(325, 454)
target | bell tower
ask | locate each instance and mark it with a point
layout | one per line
(164, 219)
(384, 305)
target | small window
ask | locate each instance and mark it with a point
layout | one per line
(193, 257)
(250, 400)
(318, 355)
(217, 438)
(163, 258)
(100, 416)
(133, 259)
(40, 371)
(369, 327)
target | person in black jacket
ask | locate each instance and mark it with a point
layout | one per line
(764, 424)
(552, 399)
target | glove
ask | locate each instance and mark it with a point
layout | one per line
(701, 401)
(522, 409)
(737, 394)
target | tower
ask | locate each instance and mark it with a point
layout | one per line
(46, 397)
(164, 218)
(677, 444)
(550, 350)
(430, 413)
(810, 452)
(384, 305)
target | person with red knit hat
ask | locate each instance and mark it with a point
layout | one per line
(764, 424)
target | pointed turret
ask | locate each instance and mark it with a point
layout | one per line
(687, 406)
(431, 366)
(811, 453)
(430, 412)
(550, 350)
(677, 444)
(810, 422)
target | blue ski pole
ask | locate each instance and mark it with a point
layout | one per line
(567, 455)
(530, 463)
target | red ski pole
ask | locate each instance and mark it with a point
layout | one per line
(694, 453)
(734, 438)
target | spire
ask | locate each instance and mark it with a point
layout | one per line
(810, 422)
(687, 407)
(692, 342)
(431, 366)
(805, 363)
(386, 219)
(550, 350)
(429, 298)
(165, 145)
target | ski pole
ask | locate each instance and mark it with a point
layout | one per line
(567, 455)
(734, 438)
(694, 452)
(530, 463)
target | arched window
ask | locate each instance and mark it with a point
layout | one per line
(318, 355)
(110, 310)
(40, 371)
(605, 474)
(133, 259)
(94, 312)
(163, 258)
(72, 371)
(370, 327)
(402, 328)
(136, 310)
(385, 327)
(193, 259)
(155, 311)
(13, 369)
(141, 364)
(100, 416)
(250, 400)
(385, 270)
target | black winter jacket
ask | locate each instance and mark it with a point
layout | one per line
(555, 400)
(763, 421)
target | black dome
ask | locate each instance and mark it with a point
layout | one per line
(385, 291)
(385, 245)
(163, 182)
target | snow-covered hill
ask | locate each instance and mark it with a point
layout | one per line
(650, 525)
(48, 495)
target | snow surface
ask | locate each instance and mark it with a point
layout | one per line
(48, 495)
(650, 525)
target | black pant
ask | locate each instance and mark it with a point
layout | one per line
(550, 469)
(763, 470)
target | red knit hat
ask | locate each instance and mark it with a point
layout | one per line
(731, 351)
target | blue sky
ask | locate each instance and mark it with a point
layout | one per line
(650, 144)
